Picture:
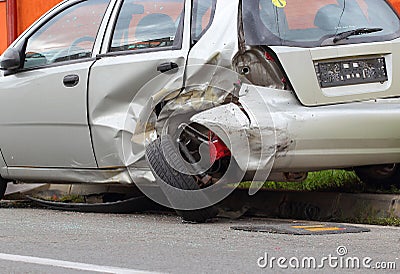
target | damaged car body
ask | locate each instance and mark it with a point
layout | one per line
(195, 95)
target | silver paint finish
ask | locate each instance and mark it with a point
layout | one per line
(116, 105)
(70, 175)
(49, 137)
(43, 123)
(299, 66)
(306, 139)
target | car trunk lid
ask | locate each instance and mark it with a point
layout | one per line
(323, 64)
(339, 74)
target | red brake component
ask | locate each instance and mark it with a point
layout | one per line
(269, 57)
(218, 149)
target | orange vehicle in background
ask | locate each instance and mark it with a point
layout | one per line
(396, 5)
(17, 15)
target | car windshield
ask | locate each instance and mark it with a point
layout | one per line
(310, 23)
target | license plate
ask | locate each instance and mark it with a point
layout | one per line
(351, 72)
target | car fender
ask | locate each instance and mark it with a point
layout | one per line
(231, 124)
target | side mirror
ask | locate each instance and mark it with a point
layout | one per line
(11, 59)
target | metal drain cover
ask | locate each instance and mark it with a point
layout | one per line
(302, 228)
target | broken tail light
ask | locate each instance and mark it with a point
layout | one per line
(261, 68)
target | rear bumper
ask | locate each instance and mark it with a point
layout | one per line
(275, 131)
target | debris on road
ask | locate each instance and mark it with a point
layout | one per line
(302, 228)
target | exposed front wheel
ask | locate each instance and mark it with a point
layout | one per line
(159, 154)
(380, 175)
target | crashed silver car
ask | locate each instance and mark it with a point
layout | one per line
(187, 98)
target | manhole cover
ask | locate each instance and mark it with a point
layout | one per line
(303, 228)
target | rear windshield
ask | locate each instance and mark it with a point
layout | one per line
(309, 23)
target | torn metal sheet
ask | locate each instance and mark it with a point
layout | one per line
(124, 105)
(230, 124)
(123, 113)
(179, 110)
(277, 131)
(257, 69)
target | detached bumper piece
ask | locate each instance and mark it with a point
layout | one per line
(132, 205)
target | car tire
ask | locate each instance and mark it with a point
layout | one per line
(3, 187)
(380, 176)
(164, 172)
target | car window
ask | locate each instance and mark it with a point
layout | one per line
(202, 16)
(147, 24)
(67, 36)
(297, 23)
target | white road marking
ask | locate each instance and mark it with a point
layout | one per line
(70, 265)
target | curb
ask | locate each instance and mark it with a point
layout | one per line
(322, 206)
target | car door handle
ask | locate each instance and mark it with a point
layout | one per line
(71, 80)
(164, 67)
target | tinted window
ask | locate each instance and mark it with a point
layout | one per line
(148, 24)
(309, 23)
(68, 36)
(202, 16)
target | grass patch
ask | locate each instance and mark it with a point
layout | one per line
(327, 180)
(71, 199)
(332, 180)
(388, 221)
(392, 190)
(339, 181)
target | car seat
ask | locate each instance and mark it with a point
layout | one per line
(155, 26)
(327, 17)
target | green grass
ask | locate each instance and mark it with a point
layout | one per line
(388, 221)
(337, 181)
(391, 221)
(73, 198)
(69, 198)
(327, 180)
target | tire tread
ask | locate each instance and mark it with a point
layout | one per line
(161, 169)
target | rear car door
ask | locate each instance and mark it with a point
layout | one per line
(43, 121)
(144, 51)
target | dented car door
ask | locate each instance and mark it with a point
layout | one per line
(143, 54)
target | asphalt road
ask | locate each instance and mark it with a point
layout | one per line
(159, 243)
